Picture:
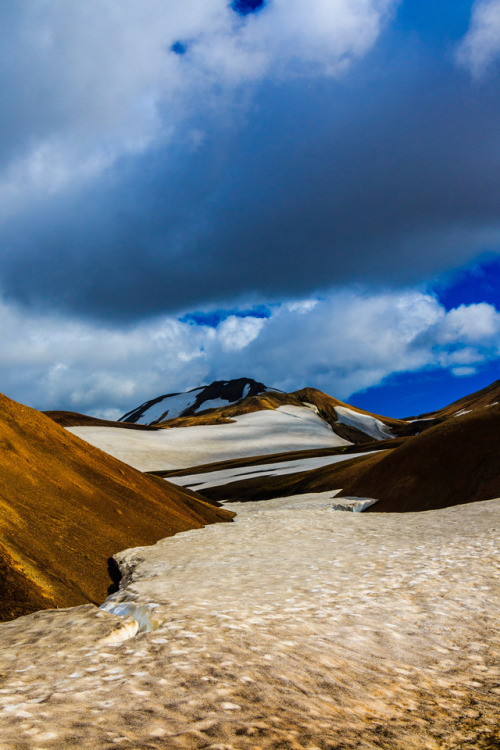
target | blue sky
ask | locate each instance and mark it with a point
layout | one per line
(307, 194)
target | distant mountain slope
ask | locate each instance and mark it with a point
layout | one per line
(222, 401)
(66, 508)
(259, 431)
(346, 421)
(266, 423)
(454, 462)
(172, 405)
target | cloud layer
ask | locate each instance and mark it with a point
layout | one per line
(160, 158)
(342, 343)
(283, 151)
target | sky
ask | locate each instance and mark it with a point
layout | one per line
(306, 193)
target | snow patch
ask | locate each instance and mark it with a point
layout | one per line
(363, 422)
(424, 419)
(353, 504)
(174, 405)
(214, 403)
(226, 476)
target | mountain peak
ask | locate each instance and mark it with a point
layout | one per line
(216, 394)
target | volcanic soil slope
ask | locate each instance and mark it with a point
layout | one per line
(67, 507)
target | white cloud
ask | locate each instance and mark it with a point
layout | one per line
(480, 47)
(88, 82)
(346, 341)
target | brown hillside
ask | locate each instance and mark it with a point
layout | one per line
(66, 507)
(452, 463)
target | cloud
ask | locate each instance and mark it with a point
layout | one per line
(283, 151)
(480, 48)
(343, 342)
(309, 183)
(88, 83)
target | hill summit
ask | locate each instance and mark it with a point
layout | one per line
(172, 405)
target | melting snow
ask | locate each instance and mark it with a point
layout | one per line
(364, 423)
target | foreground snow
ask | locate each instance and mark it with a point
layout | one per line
(288, 428)
(296, 627)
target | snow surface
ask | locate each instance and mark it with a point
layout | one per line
(226, 476)
(174, 404)
(288, 428)
(364, 423)
(214, 403)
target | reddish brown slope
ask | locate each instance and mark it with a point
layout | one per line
(66, 507)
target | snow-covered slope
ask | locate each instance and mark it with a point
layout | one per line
(204, 480)
(287, 428)
(364, 423)
(172, 405)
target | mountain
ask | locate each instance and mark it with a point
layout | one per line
(67, 507)
(277, 444)
(455, 462)
(270, 422)
(172, 405)
(451, 463)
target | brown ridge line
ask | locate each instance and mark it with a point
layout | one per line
(74, 419)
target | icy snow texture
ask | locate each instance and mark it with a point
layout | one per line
(364, 423)
(288, 428)
(331, 629)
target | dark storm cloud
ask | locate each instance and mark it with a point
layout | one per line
(387, 176)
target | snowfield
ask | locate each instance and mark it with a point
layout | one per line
(297, 626)
(288, 428)
(226, 476)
